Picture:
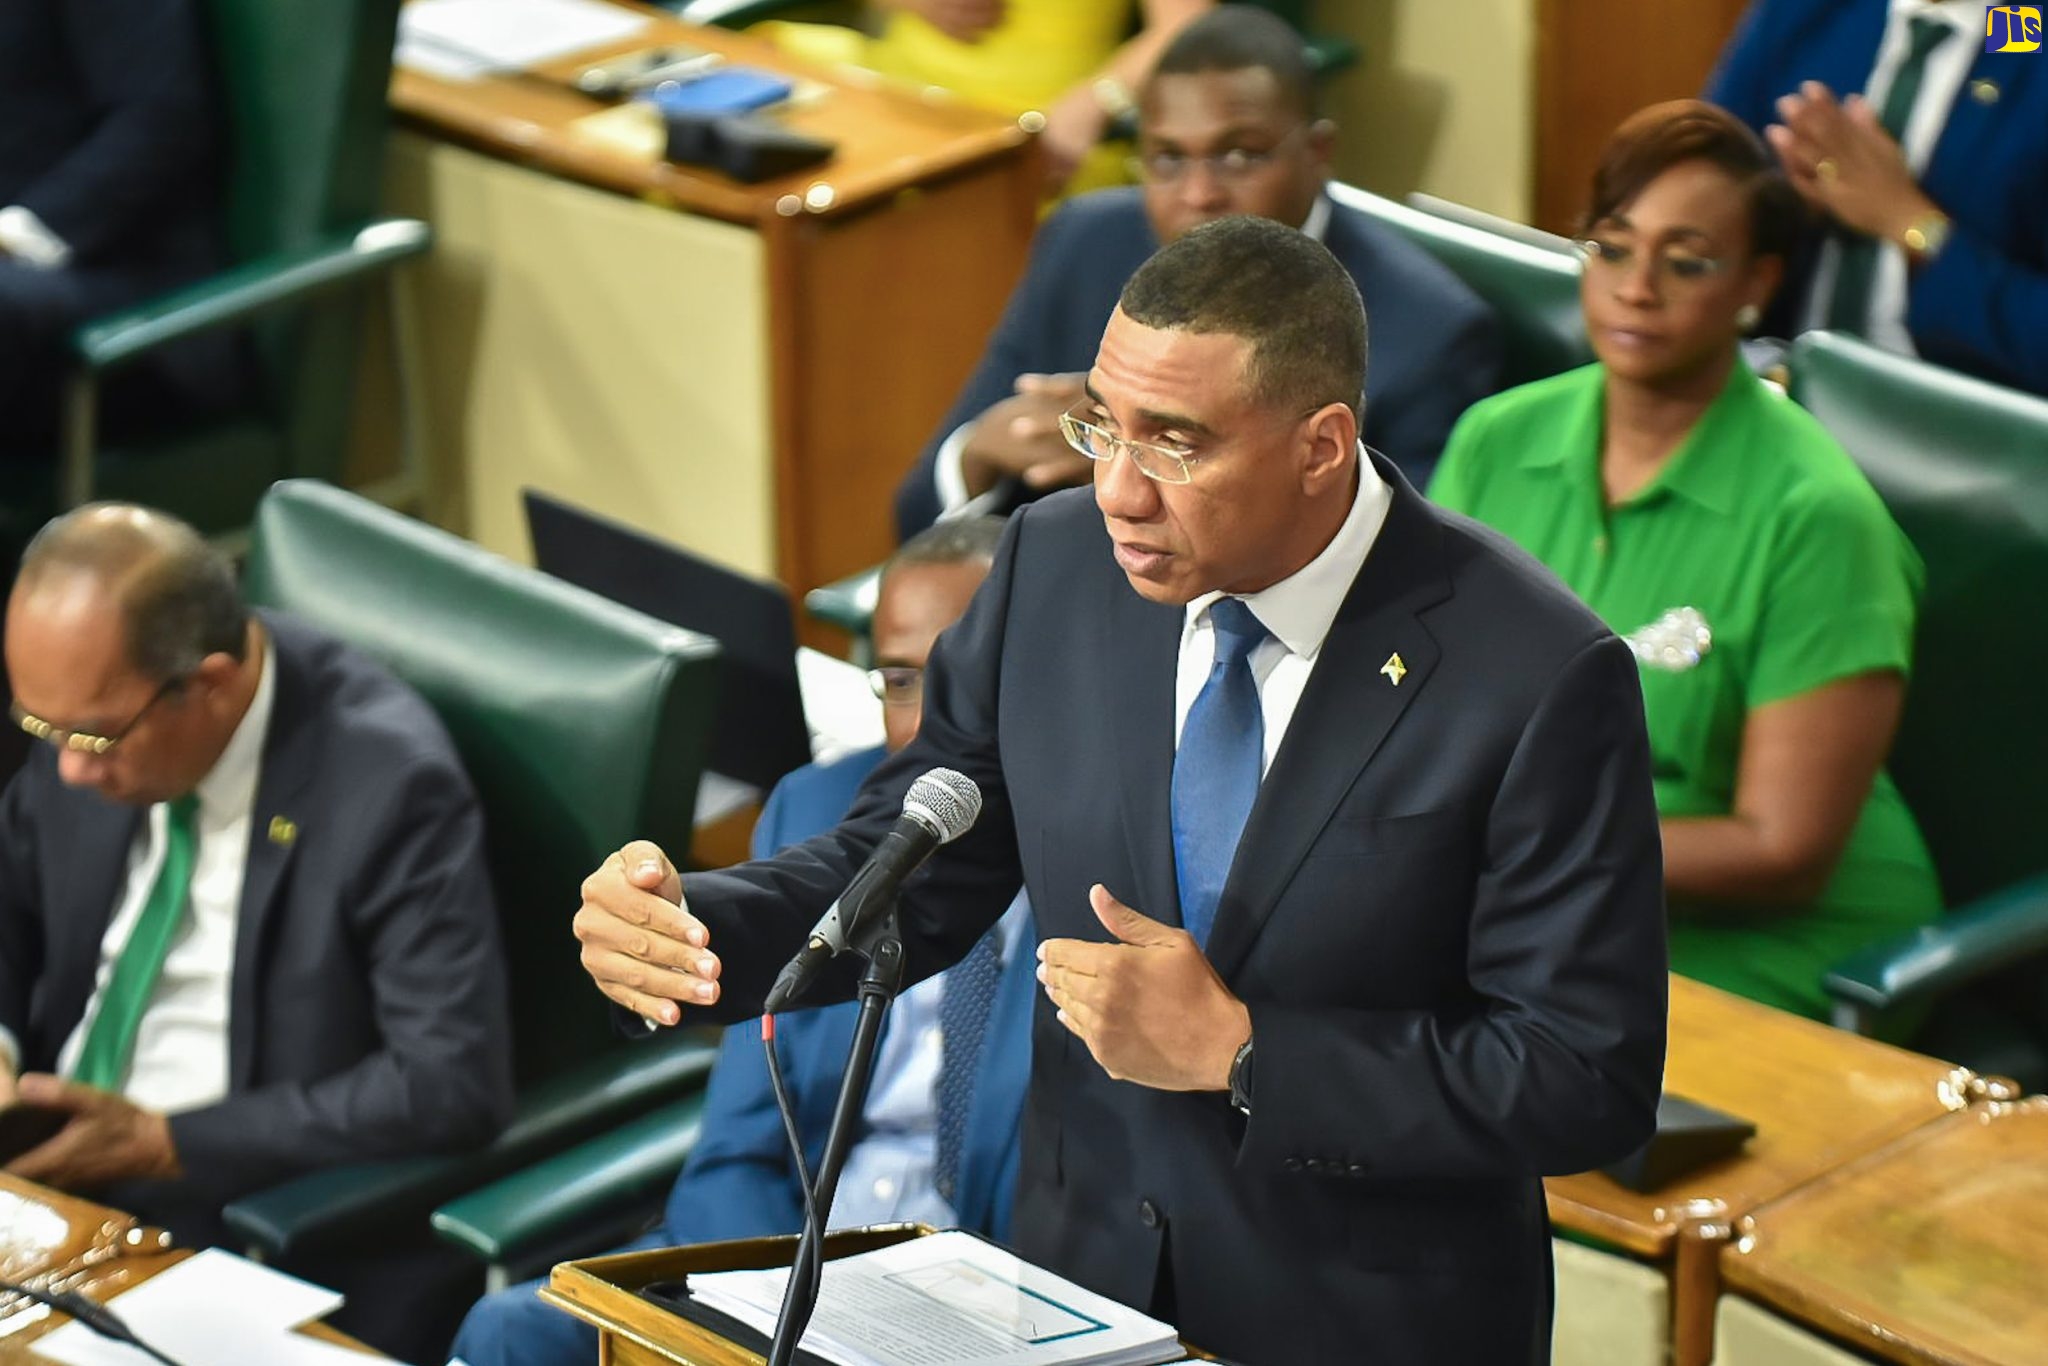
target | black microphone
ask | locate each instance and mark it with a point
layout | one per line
(940, 807)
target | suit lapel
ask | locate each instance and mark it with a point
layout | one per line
(290, 757)
(99, 858)
(1352, 700)
(1138, 655)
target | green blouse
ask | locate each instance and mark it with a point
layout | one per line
(1757, 565)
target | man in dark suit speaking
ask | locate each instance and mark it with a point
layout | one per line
(1335, 813)
(1227, 125)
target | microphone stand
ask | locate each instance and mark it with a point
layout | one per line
(882, 946)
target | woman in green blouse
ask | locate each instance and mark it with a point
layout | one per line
(1766, 592)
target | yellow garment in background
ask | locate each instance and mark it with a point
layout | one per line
(1040, 50)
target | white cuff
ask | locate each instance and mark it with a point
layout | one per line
(10, 1050)
(29, 240)
(950, 480)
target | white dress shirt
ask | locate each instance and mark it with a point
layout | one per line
(950, 479)
(889, 1176)
(1942, 81)
(180, 1060)
(1298, 612)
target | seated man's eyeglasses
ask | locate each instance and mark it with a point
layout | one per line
(1168, 164)
(1163, 463)
(84, 741)
(898, 685)
(1614, 259)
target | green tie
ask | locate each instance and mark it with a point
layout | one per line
(103, 1062)
(1849, 305)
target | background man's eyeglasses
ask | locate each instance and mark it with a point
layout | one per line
(84, 741)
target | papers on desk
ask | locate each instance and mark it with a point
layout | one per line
(465, 39)
(949, 1297)
(212, 1309)
(839, 706)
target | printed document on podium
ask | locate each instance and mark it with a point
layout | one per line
(943, 1299)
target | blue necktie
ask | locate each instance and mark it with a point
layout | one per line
(1217, 767)
(964, 1003)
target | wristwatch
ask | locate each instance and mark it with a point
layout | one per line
(1925, 236)
(1241, 1079)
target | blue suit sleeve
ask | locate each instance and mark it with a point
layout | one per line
(1465, 370)
(1017, 347)
(1979, 310)
(739, 1182)
(1739, 79)
(143, 70)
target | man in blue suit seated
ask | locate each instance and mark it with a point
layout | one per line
(1227, 125)
(906, 1164)
(1932, 177)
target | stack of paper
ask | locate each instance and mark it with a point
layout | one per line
(949, 1297)
(463, 39)
(212, 1309)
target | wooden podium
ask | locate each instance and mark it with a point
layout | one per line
(605, 1292)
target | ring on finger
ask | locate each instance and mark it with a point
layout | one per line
(1826, 170)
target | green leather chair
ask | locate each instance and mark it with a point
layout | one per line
(1533, 289)
(583, 724)
(1488, 222)
(305, 91)
(1963, 466)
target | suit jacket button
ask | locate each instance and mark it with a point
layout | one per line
(1315, 1164)
(1148, 1214)
(1358, 1169)
(1292, 1164)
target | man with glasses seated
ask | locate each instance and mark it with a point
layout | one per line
(938, 1141)
(1227, 125)
(246, 930)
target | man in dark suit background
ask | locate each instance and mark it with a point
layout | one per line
(1335, 814)
(110, 191)
(1932, 176)
(741, 1181)
(246, 930)
(1227, 125)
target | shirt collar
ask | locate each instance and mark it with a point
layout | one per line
(1705, 479)
(1299, 609)
(229, 788)
(1318, 221)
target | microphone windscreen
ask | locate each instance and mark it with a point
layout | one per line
(947, 801)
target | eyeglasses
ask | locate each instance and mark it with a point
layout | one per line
(1613, 260)
(898, 685)
(1230, 165)
(84, 741)
(1162, 463)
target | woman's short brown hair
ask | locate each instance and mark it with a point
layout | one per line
(1651, 141)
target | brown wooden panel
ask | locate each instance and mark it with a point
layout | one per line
(1597, 62)
(1935, 1250)
(876, 321)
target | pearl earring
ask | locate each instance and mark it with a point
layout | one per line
(1748, 316)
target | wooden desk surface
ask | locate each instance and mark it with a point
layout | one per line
(888, 138)
(1935, 1250)
(1818, 1096)
(60, 1241)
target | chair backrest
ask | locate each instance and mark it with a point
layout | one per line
(1963, 466)
(1488, 222)
(582, 723)
(1533, 290)
(306, 89)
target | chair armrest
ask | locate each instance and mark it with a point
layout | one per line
(1991, 933)
(1329, 53)
(599, 1181)
(326, 1208)
(236, 295)
(849, 603)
